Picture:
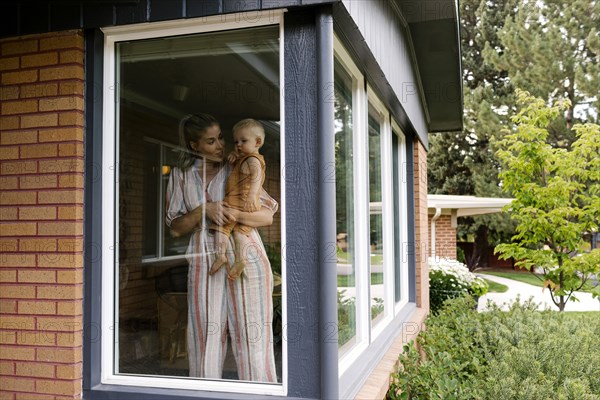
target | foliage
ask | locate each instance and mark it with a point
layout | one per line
(518, 354)
(346, 317)
(557, 197)
(551, 50)
(450, 279)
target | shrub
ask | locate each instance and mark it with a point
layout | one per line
(450, 279)
(517, 354)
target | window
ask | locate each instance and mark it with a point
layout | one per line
(170, 80)
(372, 218)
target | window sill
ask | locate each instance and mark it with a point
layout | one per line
(378, 382)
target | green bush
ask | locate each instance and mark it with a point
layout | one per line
(450, 279)
(518, 354)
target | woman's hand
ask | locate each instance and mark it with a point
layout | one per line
(218, 213)
(262, 217)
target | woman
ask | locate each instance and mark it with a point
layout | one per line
(217, 304)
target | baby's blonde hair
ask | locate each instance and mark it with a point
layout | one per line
(253, 124)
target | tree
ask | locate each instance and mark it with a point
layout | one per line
(557, 197)
(463, 163)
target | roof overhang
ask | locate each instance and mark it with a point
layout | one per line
(434, 30)
(463, 206)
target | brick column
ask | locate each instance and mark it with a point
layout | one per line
(445, 237)
(422, 273)
(41, 216)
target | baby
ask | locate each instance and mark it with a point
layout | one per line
(242, 191)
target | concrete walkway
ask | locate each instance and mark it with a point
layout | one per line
(525, 291)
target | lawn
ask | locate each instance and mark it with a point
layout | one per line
(528, 277)
(348, 280)
(495, 287)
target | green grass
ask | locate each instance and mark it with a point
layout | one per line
(528, 277)
(348, 280)
(495, 287)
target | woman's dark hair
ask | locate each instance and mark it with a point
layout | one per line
(191, 128)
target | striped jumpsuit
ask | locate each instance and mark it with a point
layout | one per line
(216, 305)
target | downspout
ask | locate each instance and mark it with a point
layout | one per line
(328, 342)
(438, 212)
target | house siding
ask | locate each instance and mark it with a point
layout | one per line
(379, 23)
(41, 216)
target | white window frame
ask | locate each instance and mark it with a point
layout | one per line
(387, 209)
(110, 193)
(402, 218)
(364, 97)
(361, 221)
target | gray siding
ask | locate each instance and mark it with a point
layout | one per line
(379, 23)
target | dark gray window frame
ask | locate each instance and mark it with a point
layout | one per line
(308, 62)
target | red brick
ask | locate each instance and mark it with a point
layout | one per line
(37, 276)
(61, 196)
(37, 213)
(61, 135)
(18, 260)
(65, 228)
(61, 72)
(59, 355)
(39, 90)
(7, 307)
(36, 307)
(61, 103)
(35, 245)
(60, 260)
(8, 63)
(69, 371)
(39, 120)
(71, 118)
(17, 384)
(9, 182)
(71, 88)
(70, 150)
(62, 292)
(71, 56)
(9, 152)
(7, 123)
(19, 107)
(14, 78)
(7, 275)
(39, 151)
(19, 47)
(63, 41)
(35, 369)
(9, 93)
(74, 212)
(17, 292)
(39, 60)
(61, 165)
(17, 197)
(18, 137)
(38, 181)
(14, 322)
(18, 167)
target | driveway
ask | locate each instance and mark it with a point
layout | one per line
(525, 291)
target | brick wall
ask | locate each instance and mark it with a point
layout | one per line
(422, 273)
(41, 216)
(445, 237)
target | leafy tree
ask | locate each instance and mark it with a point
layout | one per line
(552, 49)
(557, 197)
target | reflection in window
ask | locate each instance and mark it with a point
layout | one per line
(375, 218)
(231, 75)
(344, 210)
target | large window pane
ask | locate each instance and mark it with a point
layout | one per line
(345, 210)
(375, 218)
(172, 316)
